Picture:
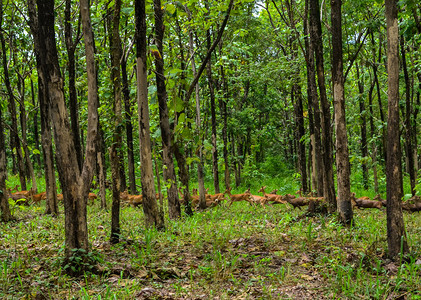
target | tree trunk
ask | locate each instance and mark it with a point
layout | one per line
(313, 100)
(316, 40)
(102, 189)
(73, 103)
(76, 234)
(23, 126)
(164, 123)
(14, 137)
(396, 237)
(150, 206)
(363, 128)
(408, 127)
(35, 128)
(223, 109)
(373, 143)
(129, 127)
(183, 174)
(5, 214)
(213, 117)
(115, 151)
(342, 155)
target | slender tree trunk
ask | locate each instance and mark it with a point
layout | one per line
(313, 100)
(129, 127)
(75, 187)
(73, 102)
(408, 127)
(316, 39)
(115, 45)
(5, 214)
(23, 126)
(343, 169)
(373, 143)
(363, 128)
(101, 173)
(396, 237)
(14, 137)
(223, 109)
(150, 206)
(213, 116)
(35, 127)
(168, 163)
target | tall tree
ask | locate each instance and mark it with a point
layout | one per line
(14, 134)
(316, 40)
(75, 183)
(396, 237)
(342, 155)
(115, 45)
(5, 215)
(164, 123)
(46, 135)
(71, 66)
(150, 206)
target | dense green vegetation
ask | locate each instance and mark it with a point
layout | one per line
(209, 94)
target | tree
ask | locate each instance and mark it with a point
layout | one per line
(150, 206)
(396, 237)
(75, 183)
(115, 150)
(5, 215)
(164, 123)
(316, 40)
(46, 135)
(342, 155)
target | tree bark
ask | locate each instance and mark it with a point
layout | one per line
(129, 127)
(150, 206)
(5, 214)
(409, 140)
(73, 102)
(164, 123)
(213, 117)
(363, 128)
(316, 40)
(396, 236)
(343, 169)
(313, 100)
(14, 137)
(115, 151)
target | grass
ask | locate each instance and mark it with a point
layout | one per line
(226, 253)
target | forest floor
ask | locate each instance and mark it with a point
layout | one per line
(238, 252)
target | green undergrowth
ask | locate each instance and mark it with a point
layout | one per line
(237, 252)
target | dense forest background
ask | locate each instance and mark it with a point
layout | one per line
(150, 102)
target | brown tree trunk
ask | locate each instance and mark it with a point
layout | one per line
(313, 100)
(73, 185)
(150, 206)
(14, 137)
(373, 143)
(35, 132)
(213, 117)
(5, 214)
(224, 112)
(316, 40)
(23, 125)
(396, 237)
(363, 128)
(164, 123)
(129, 127)
(408, 126)
(342, 155)
(73, 103)
(115, 151)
